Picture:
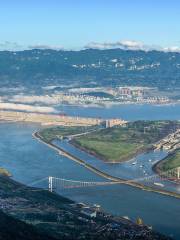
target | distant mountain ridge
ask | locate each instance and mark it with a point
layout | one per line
(90, 67)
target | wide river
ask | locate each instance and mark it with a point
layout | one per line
(29, 160)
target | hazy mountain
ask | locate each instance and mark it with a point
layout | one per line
(34, 68)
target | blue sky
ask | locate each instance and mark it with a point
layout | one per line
(75, 23)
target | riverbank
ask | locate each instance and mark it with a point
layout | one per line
(115, 103)
(55, 217)
(171, 161)
(103, 174)
(123, 159)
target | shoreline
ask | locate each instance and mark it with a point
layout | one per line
(156, 167)
(107, 105)
(105, 175)
(125, 159)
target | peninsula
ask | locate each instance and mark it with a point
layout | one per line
(121, 143)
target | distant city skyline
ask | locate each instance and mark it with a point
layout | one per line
(60, 24)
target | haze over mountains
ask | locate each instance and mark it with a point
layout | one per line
(38, 68)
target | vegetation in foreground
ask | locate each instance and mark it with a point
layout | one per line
(11, 228)
(59, 218)
(121, 143)
(5, 172)
(172, 161)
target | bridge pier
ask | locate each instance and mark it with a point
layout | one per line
(50, 184)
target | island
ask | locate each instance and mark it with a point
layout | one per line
(122, 143)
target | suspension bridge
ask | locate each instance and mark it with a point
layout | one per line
(56, 184)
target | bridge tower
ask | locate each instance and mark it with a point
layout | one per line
(178, 173)
(50, 184)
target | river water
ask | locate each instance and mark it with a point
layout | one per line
(127, 112)
(29, 160)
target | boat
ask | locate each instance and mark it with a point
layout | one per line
(134, 163)
(158, 184)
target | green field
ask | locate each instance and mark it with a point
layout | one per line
(49, 134)
(172, 161)
(121, 143)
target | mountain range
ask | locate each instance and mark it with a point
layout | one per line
(91, 67)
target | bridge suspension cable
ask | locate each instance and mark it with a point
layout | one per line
(55, 183)
(61, 183)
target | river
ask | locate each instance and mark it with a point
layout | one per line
(29, 160)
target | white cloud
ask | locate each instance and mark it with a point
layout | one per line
(34, 99)
(172, 49)
(27, 108)
(130, 45)
(124, 44)
(44, 46)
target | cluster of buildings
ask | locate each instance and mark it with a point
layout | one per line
(96, 96)
(140, 95)
(170, 143)
(112, 226)
(118, 95)
(114, 122)
(131, 91)
(154, 100)
(78, 98)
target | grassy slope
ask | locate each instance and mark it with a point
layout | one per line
(121, 143)
(171, 162)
